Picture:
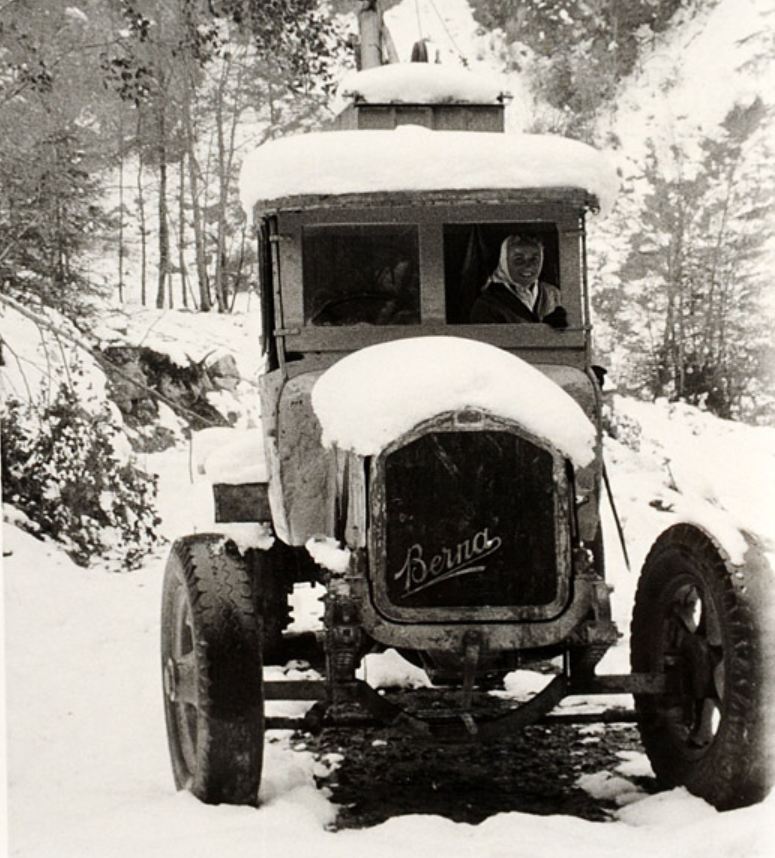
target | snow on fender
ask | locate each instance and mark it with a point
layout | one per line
(372, 397)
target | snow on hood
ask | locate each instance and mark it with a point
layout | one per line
(370, 398)
(421, 83)
(411, 158)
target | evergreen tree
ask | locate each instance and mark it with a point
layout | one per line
(53, 161)
(576, 52)
(690, 299)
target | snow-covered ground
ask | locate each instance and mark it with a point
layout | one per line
(88, 772)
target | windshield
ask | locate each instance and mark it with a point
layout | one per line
(361, 274)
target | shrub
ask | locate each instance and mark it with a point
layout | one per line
(621, 427)
(60, 467)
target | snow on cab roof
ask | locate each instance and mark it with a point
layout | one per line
(421, 83)
(411, 158)
(372, 397)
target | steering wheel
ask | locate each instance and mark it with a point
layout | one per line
(363, 307)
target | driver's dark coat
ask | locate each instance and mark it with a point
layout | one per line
(497, 303)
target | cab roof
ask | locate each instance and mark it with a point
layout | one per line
(339, 164)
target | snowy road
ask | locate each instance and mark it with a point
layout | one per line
(87, 757)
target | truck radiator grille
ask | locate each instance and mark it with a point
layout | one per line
(469, 522)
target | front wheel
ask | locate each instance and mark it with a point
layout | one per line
(703, 623)
(211, 666)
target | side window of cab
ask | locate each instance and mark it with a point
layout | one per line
(361, 274)
(502, 273)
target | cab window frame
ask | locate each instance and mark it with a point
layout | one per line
(568, 220)
(391, 243)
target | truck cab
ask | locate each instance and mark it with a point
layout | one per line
(405, 254)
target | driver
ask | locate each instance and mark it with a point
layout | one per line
(398, 284)
(393, 299)
(514, 293)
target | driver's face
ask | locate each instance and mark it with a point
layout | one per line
(524, 263)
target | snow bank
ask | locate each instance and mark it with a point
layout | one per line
(185, 498)
(680, 441)
(36, 360)
(226, 343)
(411, 158)
(371, 397)
(604, 785)
(187, 337)
(421, 83)
(235, 458)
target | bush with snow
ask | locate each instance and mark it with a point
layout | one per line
(61, 468)
(621, 427)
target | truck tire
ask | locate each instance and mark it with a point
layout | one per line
(702, 622)
(211, 667)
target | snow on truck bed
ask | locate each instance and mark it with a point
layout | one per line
(411, 158)
(421, 83)
(371, 397)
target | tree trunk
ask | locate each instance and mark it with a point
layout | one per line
(141, 213)
(205, 301)
(223, 182)
(182, 232)
(164, 236)
(225, 156)
(240, 264)
(120, 204)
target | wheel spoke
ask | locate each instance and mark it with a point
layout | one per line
(688, 609)
(187, 731)
(719, 674)
(711, 625)
(707, 722)
(181, 679)
(186, 688)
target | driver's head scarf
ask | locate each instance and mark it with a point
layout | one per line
(526, 294)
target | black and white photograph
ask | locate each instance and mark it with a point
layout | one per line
(387, 428)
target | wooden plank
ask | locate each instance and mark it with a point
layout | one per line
(516, 337)
(569, 197)
(431, 275)
(609, 716)
(295, 689)
(279, 722)
(623, 683)
(292, 276)
(570, 270)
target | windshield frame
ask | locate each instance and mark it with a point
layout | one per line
(545, 342)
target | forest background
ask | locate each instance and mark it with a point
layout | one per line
(124, 123)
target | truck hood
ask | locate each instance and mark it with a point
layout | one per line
(372, 397)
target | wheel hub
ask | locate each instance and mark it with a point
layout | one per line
(697, 654)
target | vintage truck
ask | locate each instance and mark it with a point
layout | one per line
(441, 479)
